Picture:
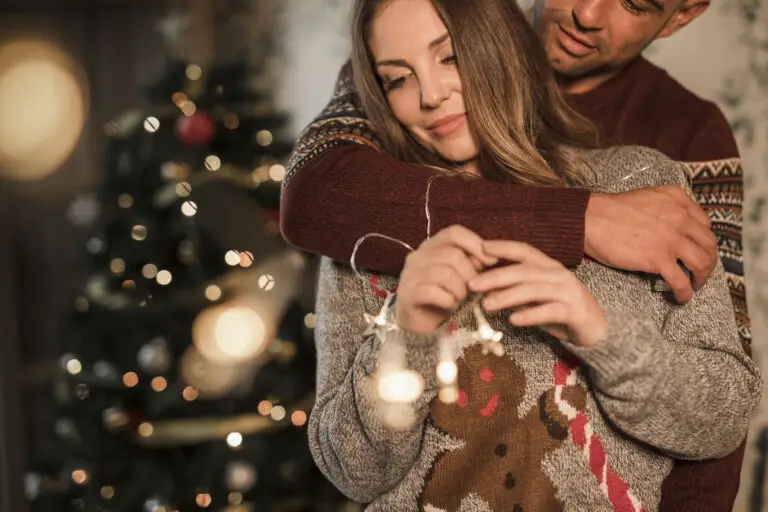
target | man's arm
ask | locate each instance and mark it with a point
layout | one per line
(339, 187)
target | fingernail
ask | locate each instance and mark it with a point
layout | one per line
(474, 284)
(489, 302)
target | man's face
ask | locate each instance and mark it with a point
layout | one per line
(592, 38)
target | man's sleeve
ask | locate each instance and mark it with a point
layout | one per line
(339, 187)
(718, 186)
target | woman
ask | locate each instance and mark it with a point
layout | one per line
(603, 381)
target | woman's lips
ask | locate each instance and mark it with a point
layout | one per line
(447, 125)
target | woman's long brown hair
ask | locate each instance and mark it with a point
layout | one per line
(524, 130)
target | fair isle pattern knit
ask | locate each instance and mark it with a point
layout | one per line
(536, 429)
(718, 188)
(342, 121)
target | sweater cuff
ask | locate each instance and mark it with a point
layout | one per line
(630, 345)
(559, 223)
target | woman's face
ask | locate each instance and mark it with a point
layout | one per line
(415, 61)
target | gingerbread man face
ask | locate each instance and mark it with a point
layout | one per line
(501, 460)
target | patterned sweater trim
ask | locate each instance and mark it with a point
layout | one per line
(718, 187)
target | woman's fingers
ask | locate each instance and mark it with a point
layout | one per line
(549, 313)
(430, 294)
(464, 239)
(424, 259)
(518, 252)
(448, 278)
(514, 274)
(523, 294)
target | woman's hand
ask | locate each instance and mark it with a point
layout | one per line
(541, 292)
(434, 280)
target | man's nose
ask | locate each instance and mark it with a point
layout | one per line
(588, 15)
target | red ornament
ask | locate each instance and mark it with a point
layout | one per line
(195, 130)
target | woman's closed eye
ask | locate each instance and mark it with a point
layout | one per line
(391, 83)
(449, 61)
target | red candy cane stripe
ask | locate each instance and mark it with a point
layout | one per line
(617, 491)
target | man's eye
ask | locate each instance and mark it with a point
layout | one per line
(633, 7)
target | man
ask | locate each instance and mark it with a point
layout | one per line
(339, 186)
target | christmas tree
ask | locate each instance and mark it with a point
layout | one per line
(188, 363)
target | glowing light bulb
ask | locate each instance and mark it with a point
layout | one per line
(447, 372)
(299, 418)
(232, 258)
(448, 395)
(151, 124)
(239, 332)
(194, 72)
(230, 332)
(203, 500)
(74, 366)
(164, 278)
(235, 439)
(213, 292)
(277, 172)
(212, 163)
(265, 407)
(278, 413)
(79, 476)
(189, 208)
(266, 282)
(264, 138)
(401, 386)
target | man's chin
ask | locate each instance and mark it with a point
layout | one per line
(568, 67)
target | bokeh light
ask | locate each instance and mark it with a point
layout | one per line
(44, 103)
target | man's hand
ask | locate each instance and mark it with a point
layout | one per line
(648, 230)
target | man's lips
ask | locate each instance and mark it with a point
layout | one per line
(574, 44)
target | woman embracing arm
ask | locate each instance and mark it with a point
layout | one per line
(678, 381)
(686, 388)
(673, 376)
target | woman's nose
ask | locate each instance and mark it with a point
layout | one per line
(434, 91)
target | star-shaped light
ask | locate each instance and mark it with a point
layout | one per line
(380, 324)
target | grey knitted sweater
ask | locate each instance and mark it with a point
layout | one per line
(547, 426)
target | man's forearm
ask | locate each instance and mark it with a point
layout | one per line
(352, 190)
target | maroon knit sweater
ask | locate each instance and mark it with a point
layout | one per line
(339, 187)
